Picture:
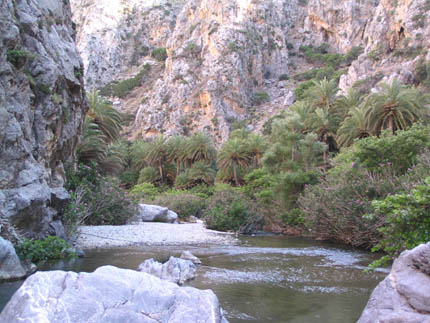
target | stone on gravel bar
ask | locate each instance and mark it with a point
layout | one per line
(175, 270)
(109, 294)
(155, 213)
(187, 255)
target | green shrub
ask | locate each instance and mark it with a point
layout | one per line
(334, 208)
(160, 54)
(400, 151)
(300, 91)
(284, 77)
(184, 204)
(95, 200)
(407, 221)
(149, 175)
(122, 88)
(422, 73)
(18, 57)
(144, 191)
(229, 210)
(40, 250)
(83, 175)
(294, 217)
(107, 204)
(259, 98)
(128, 178)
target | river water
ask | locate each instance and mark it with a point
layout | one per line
(262, 279)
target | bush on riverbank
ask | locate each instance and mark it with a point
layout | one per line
(96, 200)
(46, 249)
(231, 211)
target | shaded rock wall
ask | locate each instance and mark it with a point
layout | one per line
(42, 105)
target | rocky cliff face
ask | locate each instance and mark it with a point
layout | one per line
(42, 105)
(395, 38)
(230, 62)
(115, 35)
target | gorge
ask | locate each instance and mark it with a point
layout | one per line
(238, 82)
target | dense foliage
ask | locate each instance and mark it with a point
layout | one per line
(96, 200)
(40, 250)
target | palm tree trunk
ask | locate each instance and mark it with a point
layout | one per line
(178, 167)
(160, 168)
(236, 180)
(391, 124)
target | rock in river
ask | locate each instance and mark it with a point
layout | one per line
(187, 255)
(175, 270)
(10, 265)
(109, 294)
(404, 295)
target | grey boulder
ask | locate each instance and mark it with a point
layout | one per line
(404, 295)
(187, 255)
(175, 270)
(109, 294)
(10, 265)
(155, 213)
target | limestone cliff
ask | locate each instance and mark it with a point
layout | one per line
(231, 61)
(42, 105)
(115, 35)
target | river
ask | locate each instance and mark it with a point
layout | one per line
(262, 279)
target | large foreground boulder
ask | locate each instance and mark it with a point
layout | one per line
(404, 295)
(155, 213)
(175, 270)
(10, 266)
(109, 295)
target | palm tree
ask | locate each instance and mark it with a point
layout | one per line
(256, 147)
(322, 94)
(176, 151)
(320, 123)
(202, 172)
(234, 154)
(200, 147)
(156, 154)
(311, 150)
(288, 132)
(354, 126)
(345, 103)
(395, 107)
(105, 116)
(93, 145)
(302, 109)
(138, 153)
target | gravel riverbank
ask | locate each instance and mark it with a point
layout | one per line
(150, 233)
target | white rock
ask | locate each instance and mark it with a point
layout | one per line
(187, 255)
(109, 294)
(175, 270)
(404, 296)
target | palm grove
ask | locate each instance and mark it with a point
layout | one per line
(333, 166)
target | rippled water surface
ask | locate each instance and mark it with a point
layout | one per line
(263, 279)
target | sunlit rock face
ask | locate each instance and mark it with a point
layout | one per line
(232, 62)
(42, 105)
(114, 35)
